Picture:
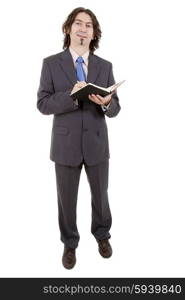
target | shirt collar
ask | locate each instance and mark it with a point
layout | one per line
(75, 56)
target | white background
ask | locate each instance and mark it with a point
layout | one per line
(145, 42)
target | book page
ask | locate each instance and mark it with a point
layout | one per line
(116, 85)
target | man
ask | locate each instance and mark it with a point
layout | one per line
(79, 133)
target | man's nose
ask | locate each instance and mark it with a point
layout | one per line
(83, 28)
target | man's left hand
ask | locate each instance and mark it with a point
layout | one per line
(101, 100)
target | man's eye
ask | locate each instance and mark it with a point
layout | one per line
(89, 26)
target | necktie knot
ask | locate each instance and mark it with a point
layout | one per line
(80, 59)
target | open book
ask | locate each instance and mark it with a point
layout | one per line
(91, 88)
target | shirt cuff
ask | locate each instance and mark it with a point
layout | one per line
(105, 107)
(76, 102)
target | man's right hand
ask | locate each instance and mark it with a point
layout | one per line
(78, 86)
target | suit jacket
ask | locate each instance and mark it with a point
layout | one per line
(78, 132)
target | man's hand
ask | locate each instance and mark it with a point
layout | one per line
(78, 86)
(101, 100)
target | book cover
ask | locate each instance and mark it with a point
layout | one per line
(90, 88)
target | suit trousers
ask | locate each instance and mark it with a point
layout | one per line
(67, 181)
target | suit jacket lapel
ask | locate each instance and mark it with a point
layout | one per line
(67, 65)
(66, 62)
(93, 68)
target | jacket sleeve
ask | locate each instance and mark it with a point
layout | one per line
(49, 101)
(114, 107)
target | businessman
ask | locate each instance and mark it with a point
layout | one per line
(79, 133)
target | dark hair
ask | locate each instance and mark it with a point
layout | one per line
(66, 28)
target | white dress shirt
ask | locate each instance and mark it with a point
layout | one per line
(85, 57)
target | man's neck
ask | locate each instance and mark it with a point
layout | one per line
(79, 49)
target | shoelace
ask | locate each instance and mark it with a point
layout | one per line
(70, 253)
(103, 245)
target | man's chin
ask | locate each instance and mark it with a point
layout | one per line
(82, 43)
(78, 42)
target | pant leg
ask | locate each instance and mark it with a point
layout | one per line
(67, 180)
(101, 215)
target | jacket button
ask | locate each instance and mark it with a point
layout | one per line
(85, 129)
(98, 133)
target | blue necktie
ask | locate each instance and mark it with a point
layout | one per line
(79, 70)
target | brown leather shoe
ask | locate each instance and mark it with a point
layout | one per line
(105, 248)
(69, 258)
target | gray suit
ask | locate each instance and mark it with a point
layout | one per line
(79, 135)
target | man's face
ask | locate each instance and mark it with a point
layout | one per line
(82, 28)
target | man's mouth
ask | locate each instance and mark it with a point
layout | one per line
(81, 36)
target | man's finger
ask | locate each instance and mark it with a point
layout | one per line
(100, 97)
(94, 99)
